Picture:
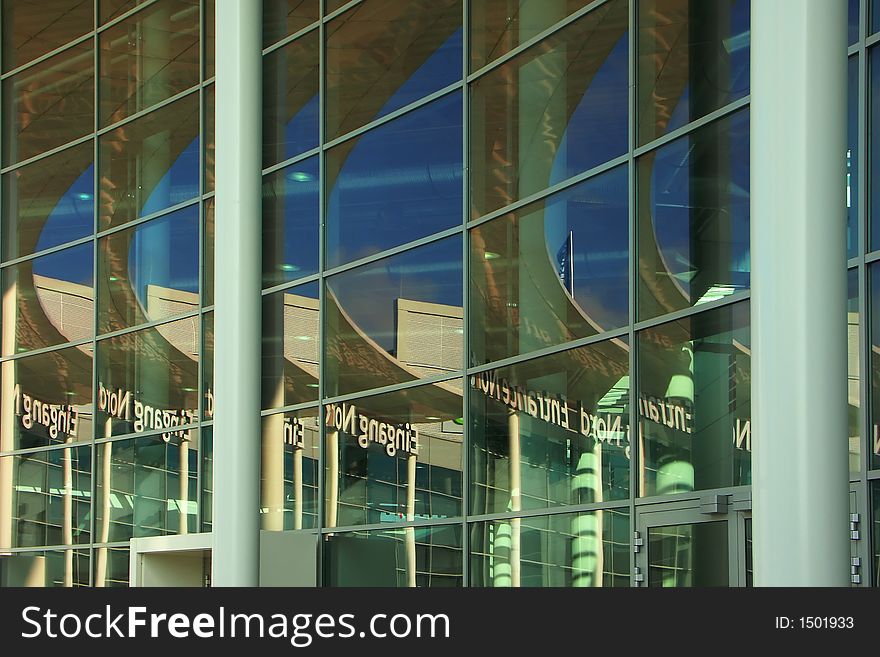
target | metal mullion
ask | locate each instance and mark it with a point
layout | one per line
(96, 221)
(296, 159)
(551, 511)
(448, 90)
(147, 325)
(147, 218)
(149, 110)
(551, 190)
(45, 448)
(465, 292)
(53, 249)
(46, 350)
(49, 55)
(874, 256)
(538, 38)
(394, 387)
(397, 250)
(48, 153)
(291, 38)
(861, 247)
(321, 515)
(696, 124)
(632, 279)
(690, 496)
(379, 526)
(147, 433)
(549, 351)
(872, 40)
(685, 313)
(200, 369)
(305, 280)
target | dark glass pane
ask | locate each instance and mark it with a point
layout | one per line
(584, 550)
(853, 361)
(148, 57)
(409, 557)
(51, 568)
(394, 457)
(552, 271)
(210, 129)
(875, 16)
(385, 54)
(209, 38)
(551, 112)
(49, 300)
(148, 379)
(395, 320)
(110, 567)
(41, 211)
(48, 496)
(875, 365)
(290, 99)
(49, 104)
(852, 159)
(875, 532)
(693, 218)
(151, 489)
(208, 366)
(332, 5)
(853, 20)
(874, 149)
(47, 399)
(150, 164)
(551, 431)
(290, 346)
(395, 183)
(291, 205)
(34, 27)
(110, 9)
(149, 272)
(206, 474)
(695, 402)
(498, 26)
(208, 254)
(693, 59)
(289, 471)
(688, 555)
(282, 18)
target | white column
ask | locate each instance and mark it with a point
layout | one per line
(236, 521)
(798, 258)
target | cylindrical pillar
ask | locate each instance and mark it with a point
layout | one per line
(236, 521)
(800, 476)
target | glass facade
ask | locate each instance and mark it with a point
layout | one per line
(505, 287)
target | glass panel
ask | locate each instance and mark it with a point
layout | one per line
(110, 9)
(688, 555)
(149, 272)
(49, 104)
(208, 254)
(111, 567)
(551, 112)
(396, 183)
(209, 38)
(290, 99)
(48, 300)
(394, 457)
(48, 497)
(853, 20)
(395, 320)
(290, 346)
(875, 532)
(693, 59)
(290, 222)
(852, 159)
(51, 568)
(875, 364)
(588, 549)
(146, 487)
(41, 211)
(875, 15)
(282, 18)
(148, 379)
(150, 164)
(385, 54)
(499, 26)
(332, 5)
(553, 271)
(551, 431)
(34, 27)
(874, 148)
(206, 474)
(210, 123)
(853, 360)
(148, 57)
(405, 557)
(208, 366)
(289, 472)
(695, 403)
(693, 218)
(47, 399)
(750, 574)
